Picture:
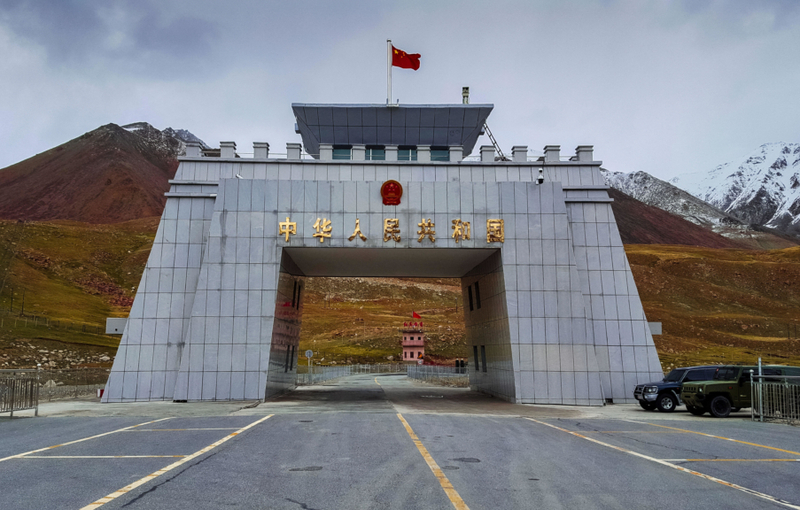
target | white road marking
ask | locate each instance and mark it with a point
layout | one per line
(114, 495)
(79, 440)
(673, 466)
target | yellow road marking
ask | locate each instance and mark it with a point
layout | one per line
(673, 466)
(376, 382)
(455, 499)
(718, 437)
(102, 456)
(80, 440)
(114, 495)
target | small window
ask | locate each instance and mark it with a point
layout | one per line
(299, 290)
(376, 153)
(440, 154)
(469, 295)
(483, 357)
(477, 295)
(341, 152)
(406, 154)
(475, 353)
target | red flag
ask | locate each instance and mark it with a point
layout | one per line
(415, 315)
(402, 59)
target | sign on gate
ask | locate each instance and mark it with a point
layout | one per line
(309, 353)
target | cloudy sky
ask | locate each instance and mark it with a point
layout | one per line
(662, 86)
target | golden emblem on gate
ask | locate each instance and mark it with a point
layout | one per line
(391, 191)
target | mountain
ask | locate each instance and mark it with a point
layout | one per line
(109, 175)
(762, 188)
(640, 223)
(649, 190)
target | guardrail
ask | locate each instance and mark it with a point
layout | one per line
(319, 373)
(448, 376)
(71, 383)
(775, 398)
(19, 390)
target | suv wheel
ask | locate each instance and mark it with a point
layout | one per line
(697, 411)
(720, 407)
(647, 406)
(666, 402)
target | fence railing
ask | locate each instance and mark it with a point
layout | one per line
(319, 373)
(71, 383)
(775, 398)
(450, 376)
(19, 390)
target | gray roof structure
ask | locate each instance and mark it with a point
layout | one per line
(378, 124)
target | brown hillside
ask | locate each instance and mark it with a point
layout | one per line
(640, 223)
(108, 175)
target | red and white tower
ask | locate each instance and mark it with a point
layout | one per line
(413, 340)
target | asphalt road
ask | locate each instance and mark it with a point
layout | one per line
(387, 442)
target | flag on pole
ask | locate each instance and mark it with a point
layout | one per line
(415, 315)
(405, 60)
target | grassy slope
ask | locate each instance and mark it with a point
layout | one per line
(74, 274)
(720, 306)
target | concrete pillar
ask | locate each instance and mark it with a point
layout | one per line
(552, 153)
(391, 153)
(585, 152)
(456, 153)
(519, 153)
(260, 150)
(293, 150)
(193, 150)
(359, 152)
(227, 149)
(423, 153)
(487, 153)
(325, 152)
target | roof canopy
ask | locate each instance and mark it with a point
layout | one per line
(377, 124)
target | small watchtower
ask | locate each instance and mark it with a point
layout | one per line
(413, 341)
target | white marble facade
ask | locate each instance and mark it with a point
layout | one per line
(555, 315)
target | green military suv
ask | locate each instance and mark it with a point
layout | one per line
(728, 391)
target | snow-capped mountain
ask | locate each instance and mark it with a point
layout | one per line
(763, 188)
(171, 140)
(653, 191)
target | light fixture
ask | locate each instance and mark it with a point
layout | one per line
(540, 179)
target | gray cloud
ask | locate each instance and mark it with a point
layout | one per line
(665, 87)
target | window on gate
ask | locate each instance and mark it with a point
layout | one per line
(483, 357)
(475, 352)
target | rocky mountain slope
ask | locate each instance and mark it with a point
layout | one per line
(649, 190)
(108, 175)
(763, 188)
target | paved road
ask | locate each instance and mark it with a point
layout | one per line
(387, 442)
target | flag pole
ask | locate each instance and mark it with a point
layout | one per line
(388, 71)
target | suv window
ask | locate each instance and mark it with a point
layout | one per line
(674, 376)
(701, 374)
(726, 373)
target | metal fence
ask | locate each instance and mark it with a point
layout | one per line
(19, 390)
(71, 383)
(448, 376)
(775, 398)
(319, 373)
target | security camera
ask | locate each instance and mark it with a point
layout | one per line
(540, 179)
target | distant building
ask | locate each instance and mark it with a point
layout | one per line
(413, 341)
